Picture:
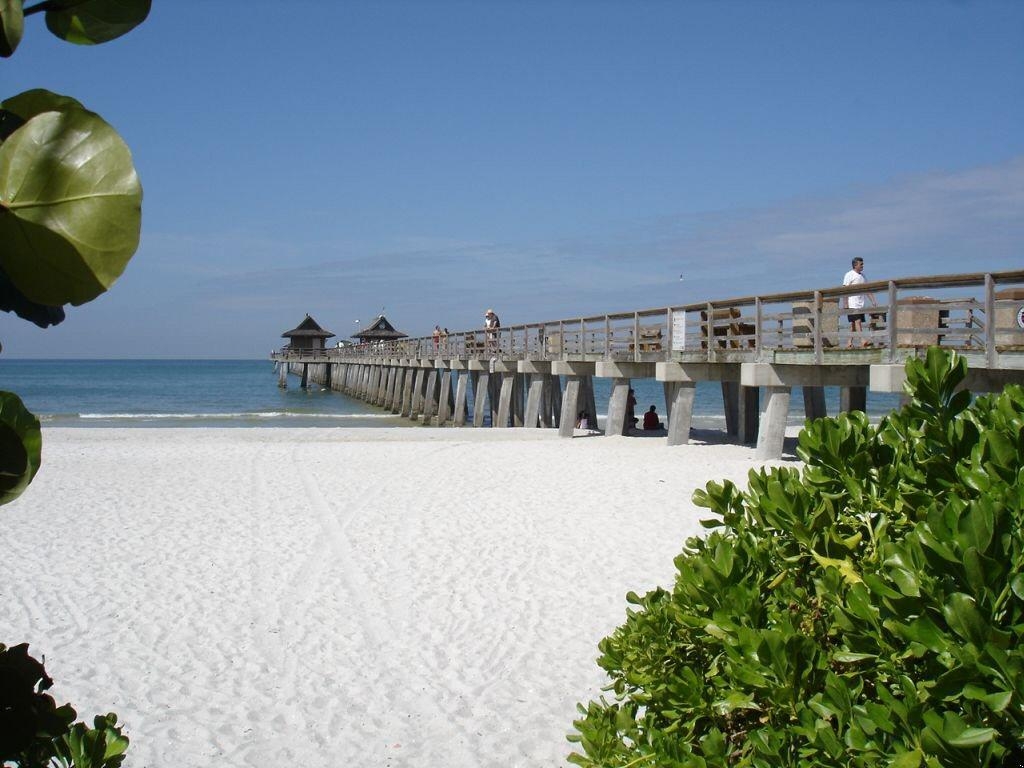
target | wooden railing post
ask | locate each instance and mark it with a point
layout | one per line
(819, 313)
(636, 337)
(758, 319)
(710, 331)
(892, 323)
(607, 338)
(990, 321)
(669, 335)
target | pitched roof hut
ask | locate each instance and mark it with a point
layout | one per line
(379, 330)
(307, 335)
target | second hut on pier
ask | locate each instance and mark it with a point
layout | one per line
(378, 332)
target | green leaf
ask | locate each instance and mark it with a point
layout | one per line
(907, 760)
(972, 737)
(1017, 585)
(70, 207)
(88, 22)
(35, 101)
(844, 566)
(21, 445)
(963, 617)
(12, 25)
(849, 657)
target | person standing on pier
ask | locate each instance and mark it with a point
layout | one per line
(491, 326)
(855, 301)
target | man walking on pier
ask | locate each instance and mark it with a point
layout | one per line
(855, 301)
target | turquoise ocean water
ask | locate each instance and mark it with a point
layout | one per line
(244, 393)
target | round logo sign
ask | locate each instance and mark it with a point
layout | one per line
(1020, 317)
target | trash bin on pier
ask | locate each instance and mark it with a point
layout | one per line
(803, 323)
(1010, 318)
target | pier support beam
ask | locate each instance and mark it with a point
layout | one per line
(505, 400)
(587, 392)
(615, 424)
(461, 387)
(814, 402)
(381, 393)
(375, 384)
(772, 433)
(570, 403)
(749, 405)
(444, 398)
(304, 383)
(518, 398)
(407, 390)
(418, 388)
(370, 392)
(430, 397)
(368, 383)
(481, 385)
(396, 395)
(534, 400)
(389, 388)
(494, 396)
(282, 374)
(679, 397)
(853, 399)
(578, 394)
(537, 411)
(553, 393)
(741, 410)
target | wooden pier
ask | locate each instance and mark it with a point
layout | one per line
(757, 347)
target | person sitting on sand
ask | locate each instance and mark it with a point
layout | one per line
(651, 419)
(583, 420)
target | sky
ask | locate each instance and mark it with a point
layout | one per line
(549, 159)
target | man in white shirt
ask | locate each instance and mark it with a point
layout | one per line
(856, 301)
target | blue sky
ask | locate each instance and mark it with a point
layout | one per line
(547, 159)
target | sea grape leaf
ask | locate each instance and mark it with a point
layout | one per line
(70, 207)
(12, 25)
(35, 101)
(88, 22)
(13, 300)
(21, 443)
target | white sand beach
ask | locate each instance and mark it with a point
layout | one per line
(333, 597)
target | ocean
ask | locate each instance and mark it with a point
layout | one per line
(244, 393)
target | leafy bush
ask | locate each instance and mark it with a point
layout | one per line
(865, 610)
(36, 733)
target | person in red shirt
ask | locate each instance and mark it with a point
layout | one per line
(651, 420)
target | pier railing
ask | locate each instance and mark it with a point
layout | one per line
(977, 313)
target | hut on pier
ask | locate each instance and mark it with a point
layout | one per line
(306, 335)
(378, 331)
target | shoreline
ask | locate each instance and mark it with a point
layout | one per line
(371, 596)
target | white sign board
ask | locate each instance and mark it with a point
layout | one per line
(678, 331)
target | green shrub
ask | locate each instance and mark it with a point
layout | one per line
(36, 733)
(865, 610)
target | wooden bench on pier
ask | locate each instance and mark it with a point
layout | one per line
(727, 335)
(648, 340)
